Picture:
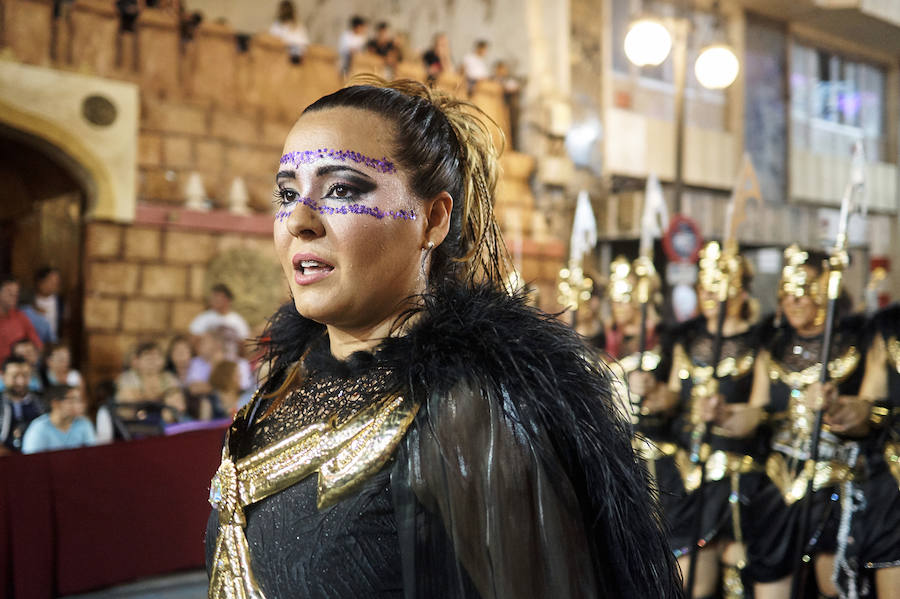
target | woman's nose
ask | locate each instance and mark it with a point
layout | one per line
(304, 220)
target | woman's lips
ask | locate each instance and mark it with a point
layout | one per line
(309, 268)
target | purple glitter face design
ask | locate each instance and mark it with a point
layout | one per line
(306, 157)
(373, 211)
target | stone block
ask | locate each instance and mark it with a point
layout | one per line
(213, 74)
(172, 117)
(101, 313)
(158, 53)
(274, 133)
(94, 27)
(197, 286)
(149, 149)
(159, 185)
(106, 352)
(244, 160)
(164, 281)
(142, 243)
(183, 313)
(27, 30)
(115, 278)
(184, 247)
(143, 315)
(104, 240)
(209, 154)
(177, 152)
(235, 127)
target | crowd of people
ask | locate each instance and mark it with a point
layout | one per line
(201, 376)
(725, 415)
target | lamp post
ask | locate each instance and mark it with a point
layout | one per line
(648, 43)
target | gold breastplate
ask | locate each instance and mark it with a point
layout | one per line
(344, 457)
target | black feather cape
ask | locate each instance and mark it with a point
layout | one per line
(517, 478)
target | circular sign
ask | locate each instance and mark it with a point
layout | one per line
(682, 241)
(99, 110)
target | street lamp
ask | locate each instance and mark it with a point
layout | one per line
(648, 43)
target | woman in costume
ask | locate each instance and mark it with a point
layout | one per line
(642, 372)
(422, 432)
(876, 526)
(786, 386)
(710, 401)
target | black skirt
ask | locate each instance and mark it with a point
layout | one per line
(876, 528)
(772, 530)
(717, 522)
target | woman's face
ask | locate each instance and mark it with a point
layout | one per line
(709, 304)
(59, 360)
(181, 353)
(348, 231)
(800, 311)
(624, 313)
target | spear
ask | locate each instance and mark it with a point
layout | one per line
(852, 201)
(654, 219)
(746, 188)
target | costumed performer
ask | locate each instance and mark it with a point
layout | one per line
(422, 432)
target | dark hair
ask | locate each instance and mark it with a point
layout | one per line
(285, 11)
(7, 279)
(170, 365)
(356, 21)
(146, 346)
(382, 25)
(481, 44)
(443, 144)
(14, 359)
(223, 289)
(43, 272)
(56, 392)
(52, 347)
(21, 341)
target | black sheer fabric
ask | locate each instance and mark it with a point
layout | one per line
(516, 479)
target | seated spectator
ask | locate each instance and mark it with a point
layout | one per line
(210, 351)
(175, 407)
(64, 427)
(220, 314)
(178, 358)
(25, 348)
(57, 367)
(45, 309)
(18, 406)
(290, 30)
(225, 381)
(474, 66)
(437, 58)
(14, 324)
(352, 40)
(146, 380)
(383, 42)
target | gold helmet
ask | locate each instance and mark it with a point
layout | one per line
(797, 281)
(718, 268)
(627, 281)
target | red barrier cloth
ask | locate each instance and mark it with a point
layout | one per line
(89, 518)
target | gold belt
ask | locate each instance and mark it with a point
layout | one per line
(719, 464)
(793, 486)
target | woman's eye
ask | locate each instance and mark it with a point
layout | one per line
(285, 196)
(342, 191)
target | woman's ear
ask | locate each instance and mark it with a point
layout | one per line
(437, 218)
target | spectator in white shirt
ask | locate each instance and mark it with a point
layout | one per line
(220, 314)
(291, 31)
(474, 66)
(352, 41)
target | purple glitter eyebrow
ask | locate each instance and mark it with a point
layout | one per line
(308, 156)
(373, 211)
